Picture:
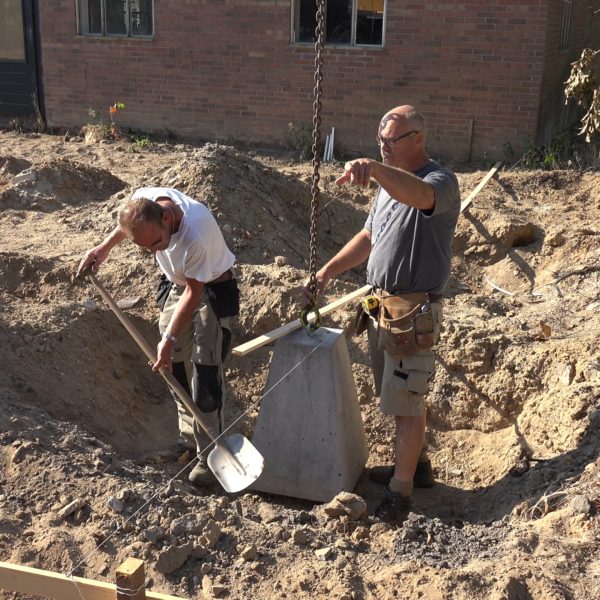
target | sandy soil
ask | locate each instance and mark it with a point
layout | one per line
(87, 478)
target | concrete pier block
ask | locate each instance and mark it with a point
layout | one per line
(309, 428)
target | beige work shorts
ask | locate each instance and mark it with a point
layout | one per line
(402, 382)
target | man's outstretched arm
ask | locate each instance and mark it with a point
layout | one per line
(355, 252)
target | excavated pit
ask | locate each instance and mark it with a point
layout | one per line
(514, 413)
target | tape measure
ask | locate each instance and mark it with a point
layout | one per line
(370, 303)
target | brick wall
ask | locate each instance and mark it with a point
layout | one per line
(554, 115)
(218, 69)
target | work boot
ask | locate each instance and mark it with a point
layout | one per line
(423, 477)
(201, 475)
(394, 507)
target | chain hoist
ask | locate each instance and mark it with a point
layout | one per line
(314, 203)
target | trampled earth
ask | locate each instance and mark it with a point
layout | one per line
(514, 413)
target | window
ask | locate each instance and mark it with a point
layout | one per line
(347, 22)
(565, 25)
(12, 38)
(115, 17)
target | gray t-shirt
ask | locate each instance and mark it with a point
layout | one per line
(410, 248)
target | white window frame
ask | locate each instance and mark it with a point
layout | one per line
(128, 34)
(352, 43)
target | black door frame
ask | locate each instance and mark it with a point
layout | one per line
(21, 94)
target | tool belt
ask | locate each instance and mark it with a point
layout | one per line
(406, 322)
(222, 293)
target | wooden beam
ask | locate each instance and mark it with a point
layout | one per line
(271, 336)
(479, 187)
(55, 586)
(275, 334)
(131, 580)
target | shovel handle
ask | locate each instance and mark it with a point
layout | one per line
(149, 352)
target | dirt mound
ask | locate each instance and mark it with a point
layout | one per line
(51, 185)
(87, 478)
(263, 212)
(10, 166)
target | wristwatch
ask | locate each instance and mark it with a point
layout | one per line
(169, 337)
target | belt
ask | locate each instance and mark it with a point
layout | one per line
(222, 277)
(432, 297)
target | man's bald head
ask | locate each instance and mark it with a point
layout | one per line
(404, 113)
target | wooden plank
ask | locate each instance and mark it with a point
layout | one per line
(56, 586)
(469, 138)
(131, 580)
(271, 336)
(275, 334)
(465, 203)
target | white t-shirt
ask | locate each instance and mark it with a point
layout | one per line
(198, 250)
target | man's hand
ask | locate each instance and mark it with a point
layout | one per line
(358, 171)
(96, 256)
(322, 281)
(164, 355)
(93, 259)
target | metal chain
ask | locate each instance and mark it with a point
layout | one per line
(314, 203)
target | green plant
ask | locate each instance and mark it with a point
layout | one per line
(16, 124)
(139, 144)
(301, 139)
(99, 130)
(558, 153)
(112, 110)
(488, 160)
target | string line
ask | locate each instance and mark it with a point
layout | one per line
(181, 471)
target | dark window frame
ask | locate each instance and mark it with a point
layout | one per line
(295, 33)
(82, 9)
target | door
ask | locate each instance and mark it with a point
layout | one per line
(19, 92)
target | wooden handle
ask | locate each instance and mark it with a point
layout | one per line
(149, 352)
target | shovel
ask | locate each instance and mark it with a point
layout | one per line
(235, 462)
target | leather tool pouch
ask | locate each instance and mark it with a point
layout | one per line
(224, 298)
(406, 323)
(361, 319)
(367, 308)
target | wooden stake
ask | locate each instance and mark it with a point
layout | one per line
(131, 580)
(275, 334)
(481, 185)
(469, 138)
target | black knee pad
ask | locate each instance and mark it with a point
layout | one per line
(207, 388)
(226, 345)
(181, 376)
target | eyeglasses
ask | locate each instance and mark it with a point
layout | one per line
(393, 141)
(154, 245)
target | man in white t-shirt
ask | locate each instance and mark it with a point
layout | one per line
(197, 296)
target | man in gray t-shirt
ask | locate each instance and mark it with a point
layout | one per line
(407, 239)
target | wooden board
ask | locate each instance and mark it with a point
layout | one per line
(275, 334)
(46, 584)
(479, 187)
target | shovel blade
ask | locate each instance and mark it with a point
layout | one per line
(236, 472)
